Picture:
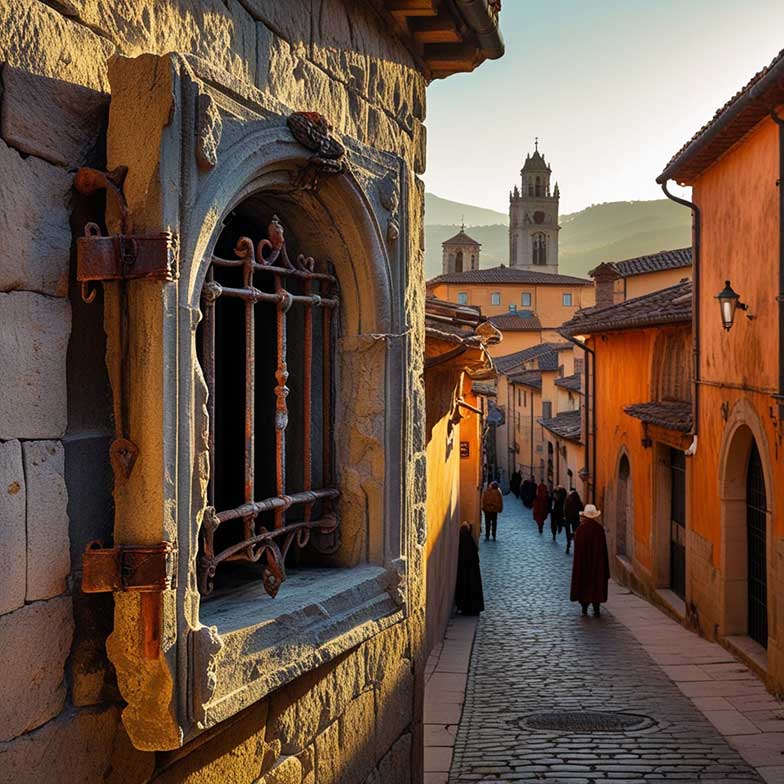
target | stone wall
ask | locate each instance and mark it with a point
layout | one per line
(357, 719)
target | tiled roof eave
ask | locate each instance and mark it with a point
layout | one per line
(741, 114)
(630, 324)
(676, 417)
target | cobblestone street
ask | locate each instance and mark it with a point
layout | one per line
(534, 653)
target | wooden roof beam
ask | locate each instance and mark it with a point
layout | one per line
(403, 9)
(440, 29)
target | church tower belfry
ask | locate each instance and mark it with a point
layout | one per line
(533, 217)
(460, 253)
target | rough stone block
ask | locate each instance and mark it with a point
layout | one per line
(34, 334)
(76, 747)
(220, 31)
(344, 751)
(34, 644)
(34, 197)
(12, 527)
(50, 118)
(42, 41)
(48, 548)
(394, 706)
(288, 771)
(291, 21)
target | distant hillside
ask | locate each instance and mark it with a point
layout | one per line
(440, 211)
(602, 232)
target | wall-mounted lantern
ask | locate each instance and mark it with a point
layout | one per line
(729, 302)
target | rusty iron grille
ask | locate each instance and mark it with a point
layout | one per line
(259, 293)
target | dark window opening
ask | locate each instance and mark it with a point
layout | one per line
(266, 347)
(459, 261)
(540, 249)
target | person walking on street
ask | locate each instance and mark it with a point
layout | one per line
(591, 564)
(541, 505)
(492, 504)
(514, 483)
(573, 505)
(528, 492)
(557, 514)
(469, 596)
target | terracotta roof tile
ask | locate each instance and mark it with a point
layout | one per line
(573, 383)
(568, 425)
(504, 274)
(461, 238)
(520, 321)
(655, 262)
(528, 378)
(729, 124)
(674, 415)
(670, 305)
(511, 361)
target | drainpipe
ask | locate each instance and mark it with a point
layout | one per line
(480, 19)
(532, 432)
(780, 396)
(590, 404)
(695, 406)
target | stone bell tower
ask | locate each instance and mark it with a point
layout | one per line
(533, 217)
(460, 253)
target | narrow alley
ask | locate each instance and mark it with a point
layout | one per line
(534, 654)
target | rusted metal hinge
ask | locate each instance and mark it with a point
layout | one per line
(146, 569)
(122, 256)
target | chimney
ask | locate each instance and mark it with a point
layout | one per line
(604, 277)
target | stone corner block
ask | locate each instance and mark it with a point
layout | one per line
(34, 332)
(34, 645)
(34, 224)
(12, 527)
(48, 544)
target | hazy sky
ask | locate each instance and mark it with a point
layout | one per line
(612, 88)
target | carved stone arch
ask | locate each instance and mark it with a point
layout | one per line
(743, 429)
(193, 154)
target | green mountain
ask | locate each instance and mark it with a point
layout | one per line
(440, 211)
(602, 232)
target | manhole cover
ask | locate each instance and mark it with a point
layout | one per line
(587, 721)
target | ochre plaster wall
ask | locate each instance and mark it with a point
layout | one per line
(637, 285)
(738, 197)
(546, 300)
(623, 378)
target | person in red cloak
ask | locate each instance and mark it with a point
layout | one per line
(541, 505)
(591, 564)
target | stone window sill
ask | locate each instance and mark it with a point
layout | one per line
(317, 615)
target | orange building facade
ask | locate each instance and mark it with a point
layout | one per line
(692, 481)
(456, 354)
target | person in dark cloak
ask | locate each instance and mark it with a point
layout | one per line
(591, 564)
(541, 506)
(557, 513)
(514, 483)
(573, 505)
(528, 492)
(469, 596)
(492, 506)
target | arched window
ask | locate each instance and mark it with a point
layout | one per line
(495, 298)
(540, 249)
(513, 251)
(526, 299)
(473, 261)
(459, 261)
(622, 506)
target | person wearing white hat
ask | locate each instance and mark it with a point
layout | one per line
(591, 564)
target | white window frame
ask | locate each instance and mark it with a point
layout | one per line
(570, 296)
(526, 295)
(495, 298)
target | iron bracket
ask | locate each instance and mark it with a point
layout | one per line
(124, 257)
(139, 568)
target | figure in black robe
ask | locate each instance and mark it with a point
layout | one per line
(528, 492)
(469, 597)
(572, 508)
(514, 483)
(557, 513)
(591, 564)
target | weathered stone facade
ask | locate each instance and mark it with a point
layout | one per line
(193, 96)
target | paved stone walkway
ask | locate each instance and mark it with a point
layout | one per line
(534, 652)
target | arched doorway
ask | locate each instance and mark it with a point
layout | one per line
(746, 520)
(622, 506)
(756, 542)
(678, 522)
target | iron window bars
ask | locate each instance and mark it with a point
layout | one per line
(265, 532)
